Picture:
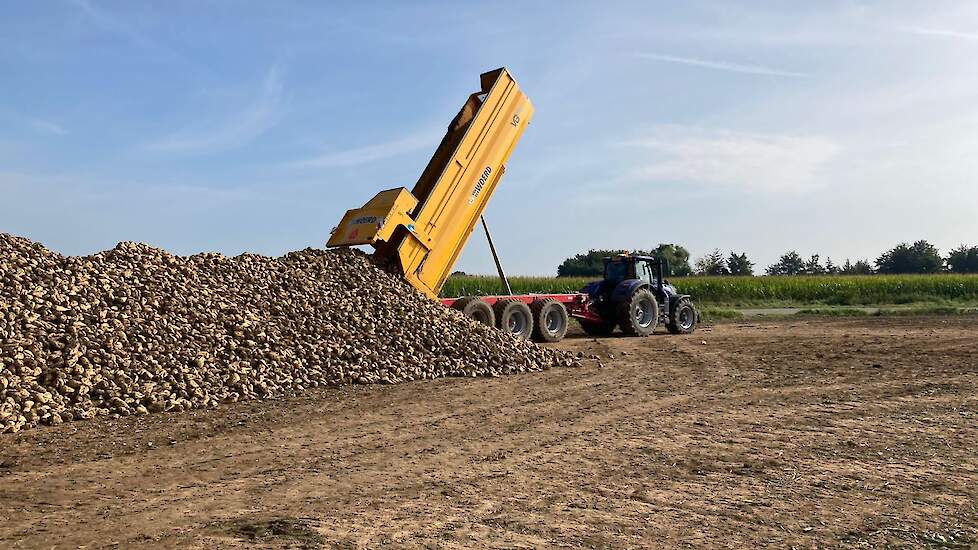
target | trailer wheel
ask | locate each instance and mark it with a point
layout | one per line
(638, 315)
(549, 320)
(683, 318)
(476, 309)
(596, 329)
(514, 317)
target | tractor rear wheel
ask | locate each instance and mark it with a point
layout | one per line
(683, 318)
(476, 309)
(638, 315)
(602, 328)
(549, 320)
(514, 317)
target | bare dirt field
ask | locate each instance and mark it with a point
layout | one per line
(855, 432)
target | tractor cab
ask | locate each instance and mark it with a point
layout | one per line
(635, 296)
(645, 268)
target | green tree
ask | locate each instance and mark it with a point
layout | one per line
(861, 267)
(831, 268)
(791, 263)
(711, 264)
(920, 257)
(738, 264)
(813, 267)
(963, 259)
(591, 264)
(677, 257)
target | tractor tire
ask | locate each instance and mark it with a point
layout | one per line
(476, 309)
(514, 317)
(639, 314)
(550, 320)
(596, 329)
(683, 318)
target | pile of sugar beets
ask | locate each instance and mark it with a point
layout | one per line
(136, 330)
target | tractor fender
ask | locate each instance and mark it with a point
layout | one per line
(593, 289)
(626, 288)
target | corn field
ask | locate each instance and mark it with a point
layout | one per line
(832, 290)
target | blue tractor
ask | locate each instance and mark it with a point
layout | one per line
(635, 296)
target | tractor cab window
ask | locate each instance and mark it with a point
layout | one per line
(644, 270)
(616, 271)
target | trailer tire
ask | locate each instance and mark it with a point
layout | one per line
(514, 317)
(550, 320)
(639, 314)
(476, 309)
(596, 329)
(683, 318)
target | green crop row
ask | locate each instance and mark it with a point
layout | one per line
(831, 290)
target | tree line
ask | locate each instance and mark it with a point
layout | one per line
(591, 263)
(919, 257)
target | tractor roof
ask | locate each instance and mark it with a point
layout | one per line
(632, 256)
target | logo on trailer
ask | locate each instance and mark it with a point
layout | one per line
(480, 184)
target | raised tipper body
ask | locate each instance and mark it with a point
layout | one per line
(424, 230)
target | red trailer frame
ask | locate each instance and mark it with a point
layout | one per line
(577, 303)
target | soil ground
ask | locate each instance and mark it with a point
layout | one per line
(855, 432)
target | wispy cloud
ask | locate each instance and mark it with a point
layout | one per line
(946, 33)
(770, 163)
(370, 153)
(47, 127)
(38, 125)
(721, 65)
(236, 129)
(109, 22)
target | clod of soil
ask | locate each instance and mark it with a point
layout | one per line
(135, 330)
(293, 532)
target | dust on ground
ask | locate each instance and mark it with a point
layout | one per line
(819, 432)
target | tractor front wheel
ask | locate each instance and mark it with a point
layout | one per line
(683, 318)
(639, 314)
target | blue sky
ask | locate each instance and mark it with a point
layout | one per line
(838, 128)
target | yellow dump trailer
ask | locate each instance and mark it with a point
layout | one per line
(421, 232)
(424, 230)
